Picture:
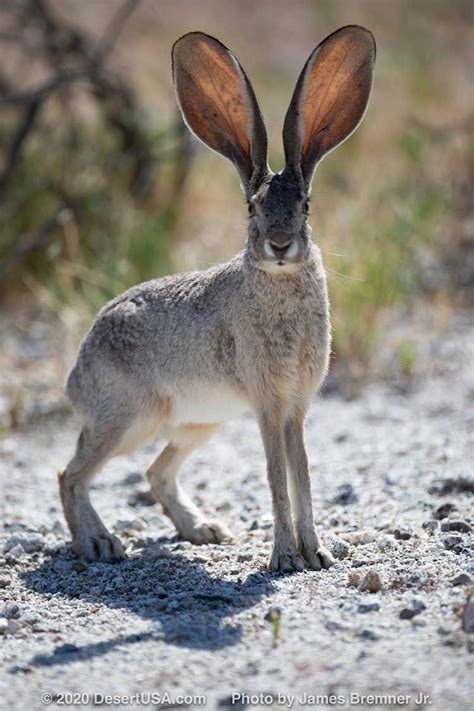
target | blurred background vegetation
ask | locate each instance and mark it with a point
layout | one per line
(102, 187)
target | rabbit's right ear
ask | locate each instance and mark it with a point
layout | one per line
(219, 105)
(330, 98)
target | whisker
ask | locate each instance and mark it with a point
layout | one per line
(346, 276)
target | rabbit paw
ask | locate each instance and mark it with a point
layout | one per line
(286, 561)
(317, 558)
(99, 546)
(208, 531)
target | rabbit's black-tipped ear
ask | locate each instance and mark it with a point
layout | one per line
(219, 105)
(330, 98)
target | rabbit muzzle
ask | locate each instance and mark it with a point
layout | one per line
(280, 250)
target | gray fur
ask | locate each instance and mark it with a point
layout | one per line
(254, 331)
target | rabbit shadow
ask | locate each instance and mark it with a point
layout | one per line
(187, 605)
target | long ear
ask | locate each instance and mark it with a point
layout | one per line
(219, 105)
(330, 98)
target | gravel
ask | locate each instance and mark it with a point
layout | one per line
(394, 615)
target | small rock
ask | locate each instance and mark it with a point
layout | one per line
(461, 526)
(416, 606)
(136, 524)
(133, 478)
(402, 534)
(407, 613)
(58, 529)
(461, 579)
(371, 582)
(13, 626)
(353, 579)
(368, 607)
(4, 583)
(30, 542)
(418, 622)
(431, 525)
(456, 485)
(444, 631)
(451, 542)
(31, 617)
(339, 548)
(468, 615)
(369, 633)
(359, 537)
(345, 495)
(3, 625)
(16, 552)
(444, 510)
(142, 498)
(11, 611)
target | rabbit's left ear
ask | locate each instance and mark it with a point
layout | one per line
(330, 98)
(218, 103)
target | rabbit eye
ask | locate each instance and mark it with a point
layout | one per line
(251, 209)
(306, 207)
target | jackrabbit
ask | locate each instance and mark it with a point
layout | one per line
(179, 355)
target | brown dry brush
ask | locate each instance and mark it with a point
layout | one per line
(71, 62)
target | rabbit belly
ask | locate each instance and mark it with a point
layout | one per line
(207, 405)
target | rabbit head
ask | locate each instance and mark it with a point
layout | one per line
(218, 104)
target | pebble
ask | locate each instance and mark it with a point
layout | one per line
(371, 582)
(402, 534)
(368, 607)
(11, 611)
(339, 548)
(415, 607)
(4, 582)
(13, 626)
(345, 495)
(136, 524)
(461, 579)
(444, 510)
(450, 542)
(370, 634)
(407, 613)
(30, 542)
(3, 625)
(359, 537)
(16, 552)
(460, 526)
(431, 525)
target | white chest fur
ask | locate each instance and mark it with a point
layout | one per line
(207, 405)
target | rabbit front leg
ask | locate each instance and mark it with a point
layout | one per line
(285, 556)
(315, 555)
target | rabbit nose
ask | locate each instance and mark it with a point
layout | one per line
(280, 248)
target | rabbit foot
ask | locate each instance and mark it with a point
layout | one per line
(317, 558)
(207, 531)
(99, 545)
(286, 561)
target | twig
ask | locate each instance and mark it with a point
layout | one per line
(42, 91)
(111, 34)
(17, 141)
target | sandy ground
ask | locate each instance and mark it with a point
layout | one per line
(391, 493)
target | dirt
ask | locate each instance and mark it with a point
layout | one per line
(392, 487)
